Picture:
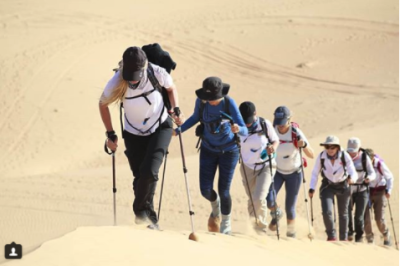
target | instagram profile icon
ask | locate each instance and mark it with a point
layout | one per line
(13, 251)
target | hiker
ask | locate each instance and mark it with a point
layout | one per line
(338, 172)
(148, 127)
(358, 190)
(288, 170)
(218, 148)
(260, 143)
(380, 190)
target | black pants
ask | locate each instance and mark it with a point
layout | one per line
(360, 201)
(145, 155)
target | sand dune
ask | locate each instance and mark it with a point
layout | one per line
(335, 64)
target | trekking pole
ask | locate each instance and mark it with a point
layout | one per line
(114, 188)
(394, 232)
(192, 236)
(312, 213)
(334, 212)
(162, 185)
(310, 236)
(274, 193)
(237, 139)
(112, 153)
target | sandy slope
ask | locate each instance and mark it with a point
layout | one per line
(334, 63)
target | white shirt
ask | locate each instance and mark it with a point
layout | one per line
(138, 112)
(335, 172)
(384, 179)
(254, 144)
(287, 155)
(361, 174)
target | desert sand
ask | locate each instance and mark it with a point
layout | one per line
(334, 63)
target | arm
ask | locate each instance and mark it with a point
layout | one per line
(351, 170)
(308, 150)
(193, 119)
(106, 118)
(273, 137)
(239, 126)
(387, 174)
(315, 172)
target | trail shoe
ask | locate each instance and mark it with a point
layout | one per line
(226, 225)
(276, 216)
(331, 238)
(291, 232)
(154, 227)
(215, 220)
(350, 237)
(370, 238)
(387, 239)
(213, 223)
(359, 239)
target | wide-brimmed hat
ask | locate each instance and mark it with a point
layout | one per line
(247, 110)
(213, 89)
(331, 140)
(281, 115)
(134, 64)
(353, 145)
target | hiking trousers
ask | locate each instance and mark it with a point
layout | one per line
(359, 200)
(226, 163)
(145, 155)
(378, 203)
(259, 182)
(292, 186)
(327, 195)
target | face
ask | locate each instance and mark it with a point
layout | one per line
(285, 127)
(353, 154)
(331, 149)
(254, 119)
(215, 102)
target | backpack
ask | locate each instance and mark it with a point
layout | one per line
(200, 128)
(323, 164)
(295, 140)
(156, 55)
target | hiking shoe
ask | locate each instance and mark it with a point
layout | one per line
(387, 239)
(214, 224)
(359, 239)
(276, 216)
(370, 238)
(291, 234)
(154, 227)
(225, 227)
(331, 238)
(350, 238)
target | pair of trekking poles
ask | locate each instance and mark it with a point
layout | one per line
(192, 236)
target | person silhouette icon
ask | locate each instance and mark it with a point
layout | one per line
(13, 254)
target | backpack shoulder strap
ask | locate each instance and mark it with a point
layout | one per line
(343, 159)
(379, 165)
(227, 105)
(153, 79)
(264, 128)
(364, 160)
(294, 137)
(201, 111)
(322, 161)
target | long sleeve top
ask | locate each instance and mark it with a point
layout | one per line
(360, 171)
(384, 176)
(334, 173)
(217, 134)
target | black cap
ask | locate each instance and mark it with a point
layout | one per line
(134, 60)
(281, 115)
(213, 89)
(247, 110)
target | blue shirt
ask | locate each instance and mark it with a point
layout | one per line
(217, 134)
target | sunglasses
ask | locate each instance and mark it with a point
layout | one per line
(330, 147)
